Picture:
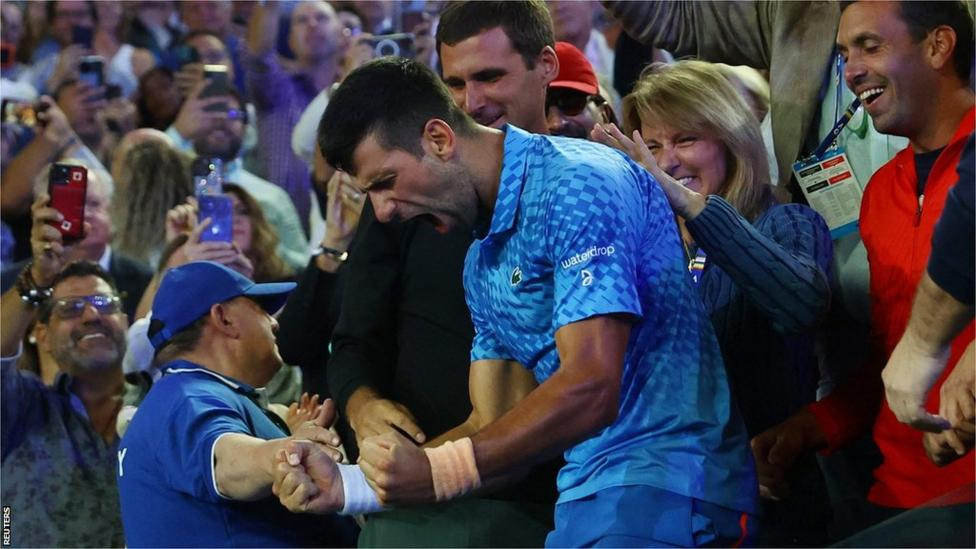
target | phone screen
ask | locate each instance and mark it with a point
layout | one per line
(219, 84)
(67, 186)
(91, 71)
(220, 210)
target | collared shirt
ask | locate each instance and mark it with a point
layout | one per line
(580, 231)
(58, 473)
(867, 150)
(166, 468)
(105, 261)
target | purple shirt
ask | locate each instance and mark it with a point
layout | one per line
(280, 97)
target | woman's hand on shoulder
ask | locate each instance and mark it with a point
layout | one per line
(684, 201)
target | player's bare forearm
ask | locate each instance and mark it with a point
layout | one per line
(495, 387)
(581, 398)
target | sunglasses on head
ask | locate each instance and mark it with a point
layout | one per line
(570, 102)
(73, 307)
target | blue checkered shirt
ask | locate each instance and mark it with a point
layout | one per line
(578, 231)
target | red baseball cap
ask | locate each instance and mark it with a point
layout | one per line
(575, 70)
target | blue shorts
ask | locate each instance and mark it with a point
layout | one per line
(642, 516)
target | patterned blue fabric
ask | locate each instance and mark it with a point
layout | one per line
(579, 231)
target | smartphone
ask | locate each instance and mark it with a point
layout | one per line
(8, 55)
(219, 84)
(67, 185)
(200, 167)
(16, 112)
(91, 70)
(397, 45)
(184, 55)
(220, 210)
(82, 36)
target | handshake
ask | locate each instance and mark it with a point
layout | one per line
(308, 476)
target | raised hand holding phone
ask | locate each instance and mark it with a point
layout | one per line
(47, 247)
(91, 70)
(213, 204)
(67, 187)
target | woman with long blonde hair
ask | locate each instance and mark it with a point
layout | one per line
(153, 178)
(761, 267)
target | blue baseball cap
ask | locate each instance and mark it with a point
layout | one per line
(187, 292)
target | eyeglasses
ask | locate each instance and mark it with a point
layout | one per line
(570, 102)
(73, 307)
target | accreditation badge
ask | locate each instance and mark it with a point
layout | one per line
(831, 189)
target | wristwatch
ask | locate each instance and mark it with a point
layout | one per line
(30, 292)
(335, 254)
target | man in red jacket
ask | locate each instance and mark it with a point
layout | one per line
(909, 63)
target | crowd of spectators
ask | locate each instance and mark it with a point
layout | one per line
(783, 353)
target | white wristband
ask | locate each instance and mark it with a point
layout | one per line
(358, 497)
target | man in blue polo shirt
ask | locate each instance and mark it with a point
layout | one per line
(194, 466)
(577, 274)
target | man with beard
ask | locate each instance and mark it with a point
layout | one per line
(910, 64)
(59, 442)
(223, 140)
(574, 103)
(215, 18)
(401, 348)
(577, 278)
(205, 479)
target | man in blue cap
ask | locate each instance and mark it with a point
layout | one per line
(194, 467)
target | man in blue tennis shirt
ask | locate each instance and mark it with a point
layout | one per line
(194, 466)
(577, 274)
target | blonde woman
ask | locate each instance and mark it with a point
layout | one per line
(153, 178)
(761, 267)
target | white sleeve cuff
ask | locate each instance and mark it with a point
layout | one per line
(213, 463)
(16, 356)
(359, 498)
